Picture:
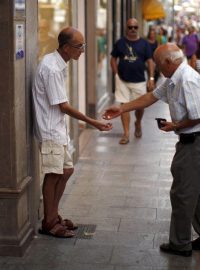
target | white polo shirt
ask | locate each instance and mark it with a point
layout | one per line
(49, 90)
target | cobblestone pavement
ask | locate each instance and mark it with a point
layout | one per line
(124, 191)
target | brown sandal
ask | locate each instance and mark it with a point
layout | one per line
(138, 130)
(124, 140)
(57, 230)
(67, 223)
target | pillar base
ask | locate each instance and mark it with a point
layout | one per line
(16, 248)
(16, 231)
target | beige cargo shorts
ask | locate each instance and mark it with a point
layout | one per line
(55, 157)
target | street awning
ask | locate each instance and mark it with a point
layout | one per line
(152, 10)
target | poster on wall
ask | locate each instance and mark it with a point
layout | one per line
(20, 5)
(19, 41)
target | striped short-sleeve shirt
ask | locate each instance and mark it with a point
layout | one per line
(49, 90)
(182, 93)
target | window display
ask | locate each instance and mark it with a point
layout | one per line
(101, 41)
(53, 15)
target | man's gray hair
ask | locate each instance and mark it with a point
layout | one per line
(172, 55)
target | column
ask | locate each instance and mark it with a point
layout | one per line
(16, 161)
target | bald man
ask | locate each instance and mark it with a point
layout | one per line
(181, 90)
(128, 58)
(51, 104)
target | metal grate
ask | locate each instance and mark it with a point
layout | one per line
(85, 231)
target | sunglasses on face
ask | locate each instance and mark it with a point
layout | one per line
(130, 27)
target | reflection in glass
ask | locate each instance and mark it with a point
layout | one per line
(101, 40)
(52, 17)
(47, 40)
(101, 47)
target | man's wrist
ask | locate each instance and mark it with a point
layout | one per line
(151, 78)
(175, 127)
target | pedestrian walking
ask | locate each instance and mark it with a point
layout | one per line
(128, 58)
(152, 39)
(196, 59)
(190, 45)
(162, 36)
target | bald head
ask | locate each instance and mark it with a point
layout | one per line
(132, 21)
(71, 44)
(169, 51)
(68, 35)
(168, 57)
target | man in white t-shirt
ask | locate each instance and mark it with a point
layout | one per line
(50, 106)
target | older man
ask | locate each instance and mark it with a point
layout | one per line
(128, 58)
(181, 92)
(51, 104)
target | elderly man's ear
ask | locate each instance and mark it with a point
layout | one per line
(65, 47)
(168, 61)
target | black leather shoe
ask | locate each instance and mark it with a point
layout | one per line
(168, 249)
(196, 244)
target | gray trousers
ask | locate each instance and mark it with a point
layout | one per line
(185, 194)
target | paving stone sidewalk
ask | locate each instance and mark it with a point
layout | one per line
(124, 191)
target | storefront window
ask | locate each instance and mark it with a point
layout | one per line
(53, 15)
(101, 38)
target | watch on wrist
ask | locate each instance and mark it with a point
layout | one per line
(151, 78)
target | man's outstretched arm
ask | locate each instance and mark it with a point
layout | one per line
(68, 109)
(137, 104)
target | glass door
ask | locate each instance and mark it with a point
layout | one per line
(101, 42)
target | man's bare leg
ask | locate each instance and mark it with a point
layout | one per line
(50, 224)
(48, 190)
(125, 118)
(138, 129)
(60, 187)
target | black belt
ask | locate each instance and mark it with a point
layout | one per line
(186, 138)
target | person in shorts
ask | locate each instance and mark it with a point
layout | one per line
(51, 104)
(128, 59)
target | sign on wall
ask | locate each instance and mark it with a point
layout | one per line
(19, 41)
(19, 5)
